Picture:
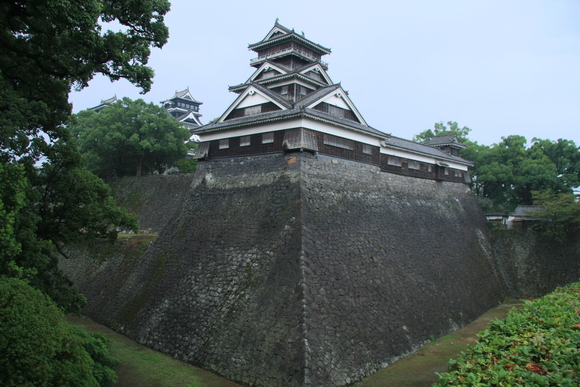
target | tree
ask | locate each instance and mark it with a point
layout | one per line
(508, 172)
(129, 138)
(558, 214)
(440, 129)
(38, 347)
(48, 47)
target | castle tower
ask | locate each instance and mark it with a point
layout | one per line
(309, 249)
(290, 104)
(184, 108)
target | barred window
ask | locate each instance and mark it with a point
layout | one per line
(225, 144)
(245, 141)
(458, 173)
(414, 164)
(429, 168)
(267, 138)
(367, 149)
(338, 142)
(396, 161)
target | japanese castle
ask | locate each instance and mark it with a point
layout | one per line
(290, 104)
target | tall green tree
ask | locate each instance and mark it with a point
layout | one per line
(47, 198)
(129, 138)
(507, 173)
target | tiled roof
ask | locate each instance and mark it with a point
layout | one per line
(448, 139)
(524, 210)
(415, 147)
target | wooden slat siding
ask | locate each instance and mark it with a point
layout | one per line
(354, 155)
(265, 108)
(255, 148)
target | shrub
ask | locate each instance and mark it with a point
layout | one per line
(38, 347)
(536, 345)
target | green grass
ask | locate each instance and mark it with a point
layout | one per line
(141, 366)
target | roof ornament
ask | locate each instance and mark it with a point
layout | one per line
(277, 20)
(303, 34)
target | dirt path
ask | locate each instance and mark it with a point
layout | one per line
(418, 369)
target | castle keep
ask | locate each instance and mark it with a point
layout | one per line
(290, 104)
(309, 249)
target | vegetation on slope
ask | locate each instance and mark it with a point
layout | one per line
(536, 345)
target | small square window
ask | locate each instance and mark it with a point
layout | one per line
(367, 149)
(414, 164)
(267, 138)
(458, 173)
(429, 168)
(245, 141)
(396, 161)
(225, 144)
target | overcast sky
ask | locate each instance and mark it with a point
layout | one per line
(500, 67)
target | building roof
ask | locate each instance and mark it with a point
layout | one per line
(445, 140)
(184, 94)
(279, 34)
(523, 211)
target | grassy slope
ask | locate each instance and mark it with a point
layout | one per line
(145, 367)
(142, 366)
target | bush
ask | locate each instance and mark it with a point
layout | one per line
(536, 345)
(38, 347)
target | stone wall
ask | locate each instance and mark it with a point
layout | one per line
(293, 270)
(531, 265)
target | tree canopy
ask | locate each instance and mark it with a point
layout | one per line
(47, 197)
(129, 138)
(507, 173)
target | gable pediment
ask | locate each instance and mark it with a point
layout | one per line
(252, 99)
(265, 71)
(338, 98)
(317, 73)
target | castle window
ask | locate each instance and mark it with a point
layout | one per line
(284, 90)
(395, 161)
(267, 138)
(338, 142)
(458, 173)
(224, 144)
(367, 149)
(446, 171)
(245, 141)
(414, 164)
(429, 168)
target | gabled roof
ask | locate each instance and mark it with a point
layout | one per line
(260, 94)
(279, 33)
(445, 140)
(104, 103)
(184, 94)
(335, 96)
(299, 73)
(525, 211)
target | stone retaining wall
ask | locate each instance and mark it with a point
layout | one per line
(293, 270)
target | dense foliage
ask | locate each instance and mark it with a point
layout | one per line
(47, 199)
(536, 345)
(38, 347)
(505, 174)
(557, 216)
(129, 138)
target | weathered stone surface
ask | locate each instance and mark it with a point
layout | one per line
(295, 270)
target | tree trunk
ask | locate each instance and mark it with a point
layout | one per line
(138, 172)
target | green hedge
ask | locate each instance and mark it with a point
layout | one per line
(536, 345)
